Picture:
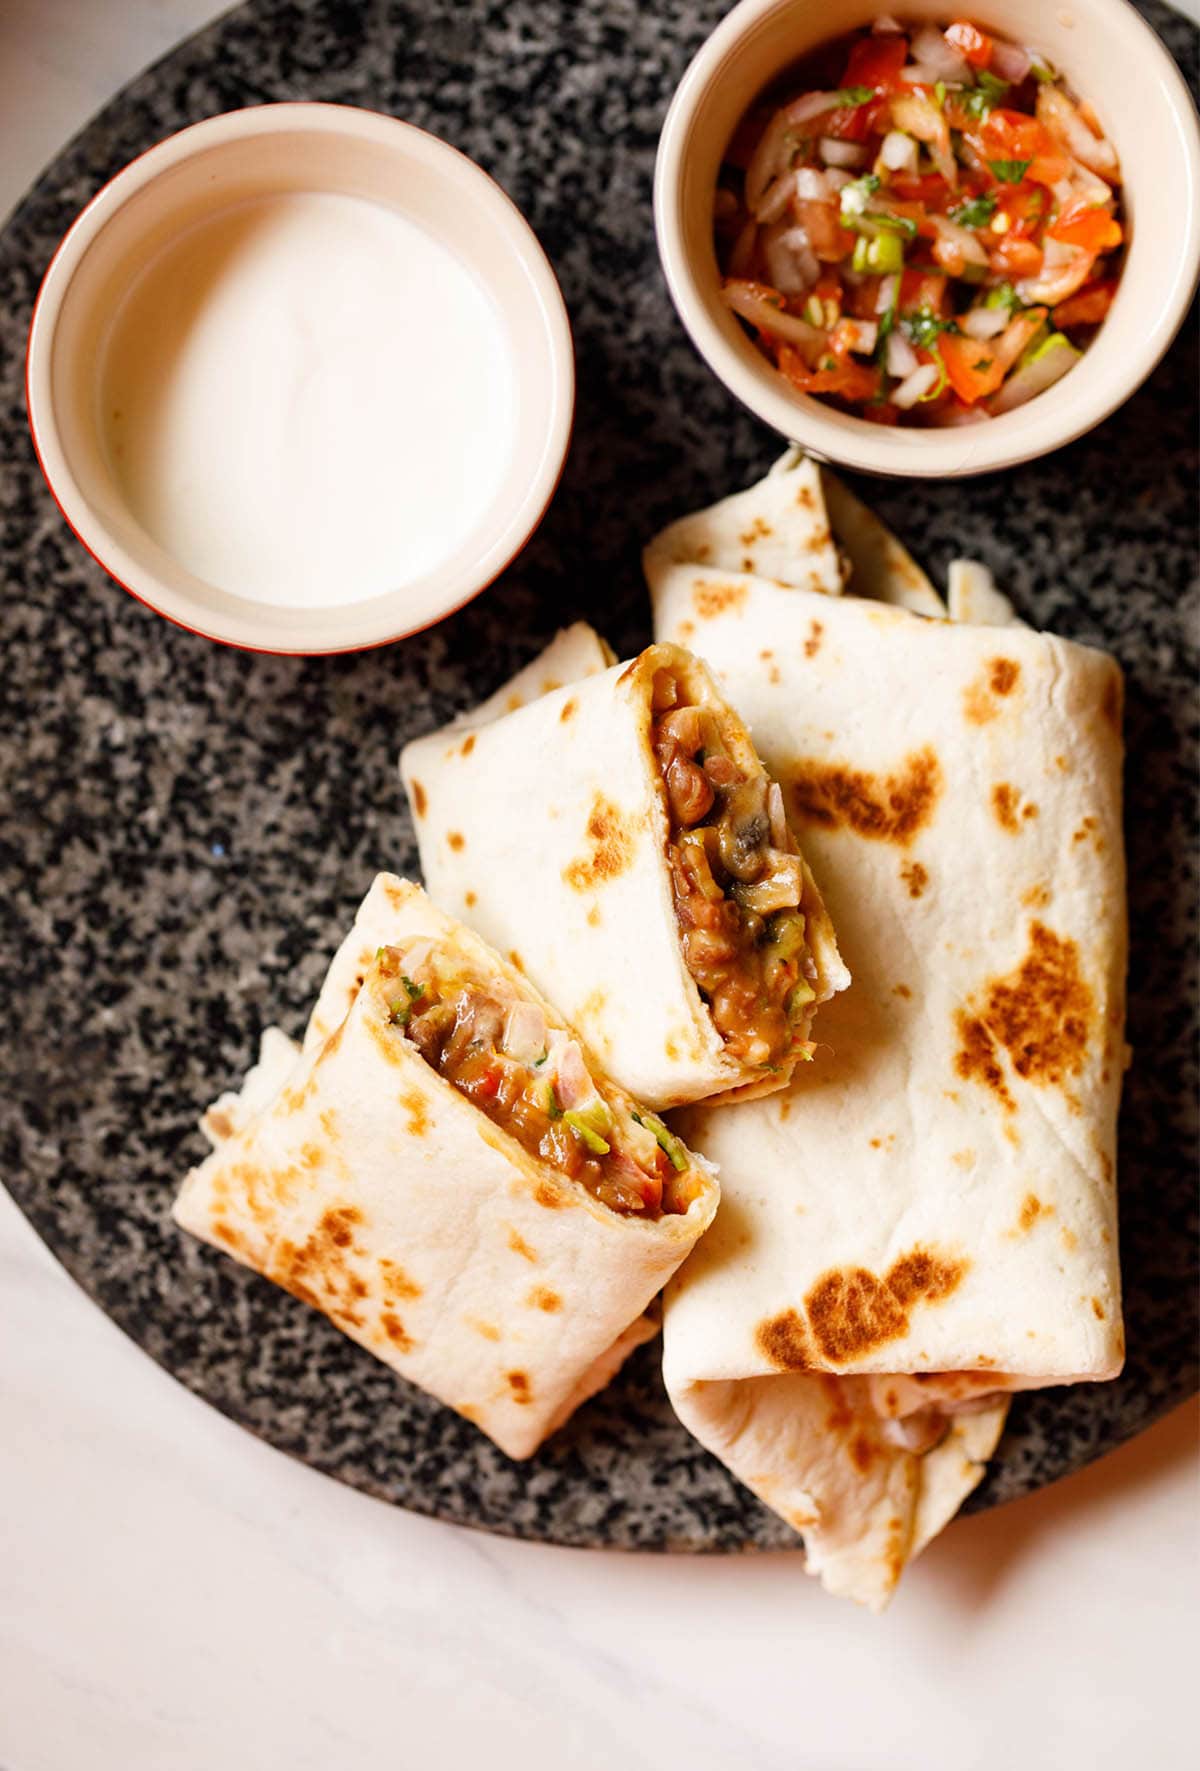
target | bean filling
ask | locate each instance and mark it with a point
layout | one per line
(737, 884)
(531, 1079)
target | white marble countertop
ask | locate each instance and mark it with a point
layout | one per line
(176, 1596)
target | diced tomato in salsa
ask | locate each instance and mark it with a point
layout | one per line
(1087, 308)
(975, 45)
(941, 196)
(876, 61)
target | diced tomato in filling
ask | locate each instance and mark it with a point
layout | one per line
(458, 1024)
(738, 885)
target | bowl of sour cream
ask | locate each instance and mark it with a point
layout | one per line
(301, 378)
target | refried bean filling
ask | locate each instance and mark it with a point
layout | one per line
(737, 884)
(531, 1079)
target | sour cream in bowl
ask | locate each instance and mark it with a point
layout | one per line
(301, 378)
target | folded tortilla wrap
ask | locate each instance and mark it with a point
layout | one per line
(574, 652)
(551, 830)
(926, 1218)
(394, 1183)
(799, 525)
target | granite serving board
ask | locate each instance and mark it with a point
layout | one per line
(187, 830)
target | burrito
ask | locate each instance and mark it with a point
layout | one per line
(925, 1221)
(453, 1182)
(619, 840)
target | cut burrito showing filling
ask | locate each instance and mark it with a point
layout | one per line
(621, 842)
(927, 1220)
(450, 1179)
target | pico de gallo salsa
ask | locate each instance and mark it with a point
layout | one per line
(922, 226)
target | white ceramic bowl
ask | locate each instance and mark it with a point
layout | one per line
(260, 153)
(1109, 56)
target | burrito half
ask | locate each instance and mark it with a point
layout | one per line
(621, 842)
(452, 1181)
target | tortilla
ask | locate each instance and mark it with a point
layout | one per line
(377, 1191)
(973, 597)
(800, 526)
(548, 831)
(881, 567)
(778, 528)
(936, 1195)
(574, 652)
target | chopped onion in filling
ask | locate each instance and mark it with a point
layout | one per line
(532, 1079)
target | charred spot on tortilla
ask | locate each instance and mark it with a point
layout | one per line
(226, 1233)
(613, 839)
(396, 1282)
(467, 745)
(1031, 1210)
(395, 1332)
(711, 600)
(338, 1224)
(891, 808)
(812, 644)
(542, 1298)
(568, 710)
(1040, 1014)
(518, 1383)
(293, 1099)
(456, 840)
(862, 1453)
(783, 1341)
(593, 917)
(686, 629)
(417, 1108)
(519, 1246)
(976, 1060)
(840, 1414)
(1036, 898)
(470, 899)
(981, 698)
(748, 562)
(488, 1330)
(514, 702)
(758, 531)
(218, 1123)
(804, 497)
(515, 960)
(420, 799)
(924, 1277)
(915, 877)
(551, 1197)
(901, 990)
(1005, 800)
(1112, 701)
(851, 1310)
(1097, 1309)
(1069, 1239)
(317, 1271)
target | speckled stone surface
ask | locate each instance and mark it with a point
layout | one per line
(187, 830)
